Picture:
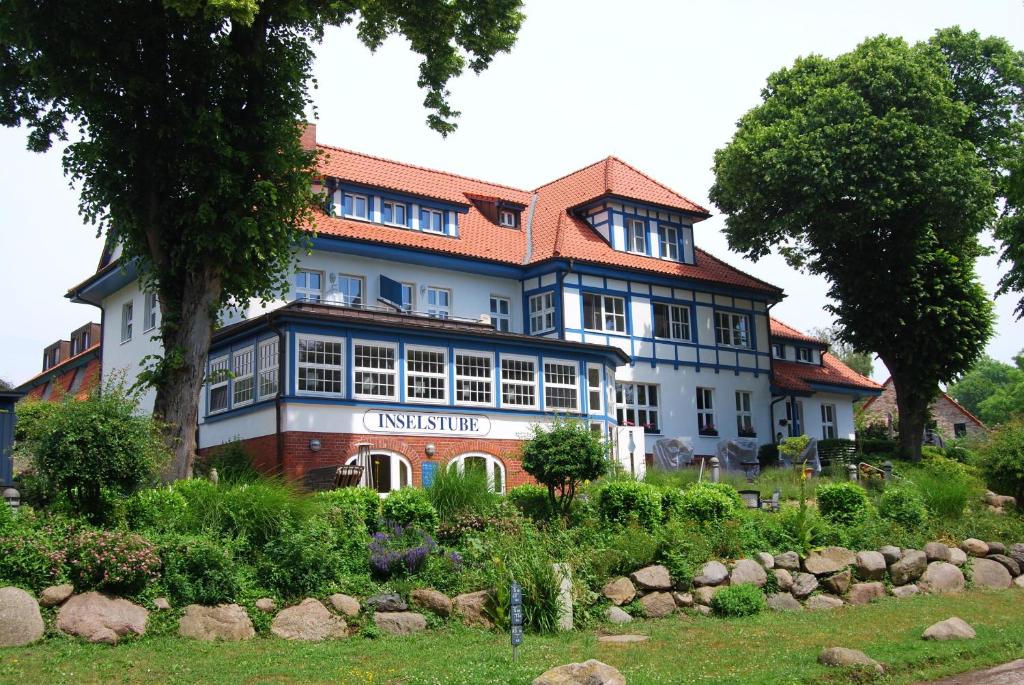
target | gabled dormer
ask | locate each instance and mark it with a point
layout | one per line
(356, 202)
(789, 344)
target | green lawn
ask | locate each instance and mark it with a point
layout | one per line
(771, 648)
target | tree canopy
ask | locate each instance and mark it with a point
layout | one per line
(862, 169)
(859, 361)
(992, 390)
(186, 119)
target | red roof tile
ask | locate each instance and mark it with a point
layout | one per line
(798, 376)
(781, 330)
(59, 373)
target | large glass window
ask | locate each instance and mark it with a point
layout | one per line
(828, 421)
(636, 404)
(218, 380)
(395, 213)
(604, 313)
(485, 463)
(243, 384)
(426, 374)
(638, 236)
(594, 392)
(375, 371)
(519, 382)
(351, 289)
(668, 236)
(560, 386)
(268, 374)
(474, 378)
(432, 220)
(542, 312)
(439, 302)
(744, 415)
(732, 329)
(501, 313)
(388, 472)
(706, 412)
(356, 206)
(320, 365)
(671, 321)
(309, 285)
(408, 297)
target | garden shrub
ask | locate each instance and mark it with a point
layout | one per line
(710, 502)
(1001, 459)
(682, 549)
(883, 446)
(958, 453)
(768, 455)
(623, 500)
(528, 565)
(671, 503)
(199, 570)
(232, 461)
(945, 485)
(111, 561)
(259, 510)
(204, 510)
(30, 557)
(158, 509)
(410, 507)
(532, 500)
(903, 504)
(456, 492)
(304, 560)
(625, 550)
(563, 456)
(738, 600)
(89, 450)
(363, 500)
(399, 550)
(843, 503)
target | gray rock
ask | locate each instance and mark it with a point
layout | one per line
(224, 622)
(473, 607)
(702, 609)
(1019, 581)
(748, 571)
(1008, 563)
(161, 603)
(268, 605)
(986, 573)
(619, 590)
(838, 583)
(652, 578)
(936, 551)
(591, 672)
(941, 577)
(957, 556)
(20, 621)
(658, 604)
(790, 561)
(98, 618)
(433, 601)
(863, 593)
(623, 639)
(870, 565)
(55, 594)
(909, 568)
(783, 601)
(683, 599)
(400, 622)
(310, 620)
(975, 547)
(386, 602)
(841, 656)
(783, 578)
(823, 602)
(711, 573)
(1016, 548)
(803, 585)
(996, 548)
(703, 595)
(1017, 555)
(345, 605)
(954, 628)
(614, 614)
(564, 598)
(903, 591)
(828, 561)
(891, 554)
(765, 559)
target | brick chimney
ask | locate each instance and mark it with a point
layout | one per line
(309, 137)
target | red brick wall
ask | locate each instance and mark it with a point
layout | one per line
(943, 411)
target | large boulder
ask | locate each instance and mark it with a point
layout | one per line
(591, 672)
(765, 559)
(748, 571)
(954, 628)
(711, 573)
(55, 595)
(652, 578)
(266, 604)
(703, 595)
(1016, 552)
(838, 583)
(863, 593)
(989, 574)
(658, 604)
(790, 561)
(890, 553)
(310, 620)
(783, 601)
(909, 568)
(783, 578)
(870, 565)
(828, 561)
(683, 599)
(223, 622)
(823, 602)
(345, 605)
(473, 608)
(390, 601)
(995, 547)
(904, 591)
(942, 577)
(1008, 563)
(616, 615)
(1019, 581)
(433, 601)
(957, 556)
(803, 585)
(975, 547)
(619, 591)
(400, 622)
(841, 656)
(20, 621)
(98, 618)
(936, 551)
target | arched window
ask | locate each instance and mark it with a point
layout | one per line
(391, 471)
(488, 463)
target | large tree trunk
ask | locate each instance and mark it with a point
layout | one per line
(189, 313)
(913, 399)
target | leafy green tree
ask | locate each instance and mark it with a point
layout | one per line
(561, 457)
(861, 362)
(992, 390)
(858, 168)
(4, 385)
(187, 148)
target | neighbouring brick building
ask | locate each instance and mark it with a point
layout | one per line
(949, 418)
(70, 367)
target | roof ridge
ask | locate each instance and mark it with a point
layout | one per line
(571, 173)
(736, 269)
(655, 182)
(423, 168)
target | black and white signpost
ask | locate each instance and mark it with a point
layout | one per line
(516, 618)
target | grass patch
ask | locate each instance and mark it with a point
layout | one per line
(757, 650)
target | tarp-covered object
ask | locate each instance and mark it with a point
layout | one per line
(733, 452)
(672, 453)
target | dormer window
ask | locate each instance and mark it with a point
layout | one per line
(507, 218)
(432, 220)
(803, 354)
(668, 236)
(778, 351)
(395, 213)
(638, 236)
(356, 206)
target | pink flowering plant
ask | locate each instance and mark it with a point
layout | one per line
(112, 561)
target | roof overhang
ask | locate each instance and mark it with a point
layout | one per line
(696, 216)
(104, 282)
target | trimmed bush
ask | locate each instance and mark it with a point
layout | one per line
(903, 504)
(410, 507)
(878, 446)
(363, 500)
(671, 503)
(532, 500)
(623, 500)
(711, 502)
(563, 456)
(842, 503)
(768, 455)
(739, 600)
(199, 570)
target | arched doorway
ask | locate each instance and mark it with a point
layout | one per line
(391, 471)
(488, 463)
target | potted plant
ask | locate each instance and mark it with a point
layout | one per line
(707, 429)
(747, 432)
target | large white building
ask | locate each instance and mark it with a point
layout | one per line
(438, 317)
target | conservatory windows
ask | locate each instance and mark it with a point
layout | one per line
(474, 378)
(319, 365)
(426, 374)
(375, 371)
(268, 374)
(242, 386)
(218, 380)
(560, 387)
(519, 382)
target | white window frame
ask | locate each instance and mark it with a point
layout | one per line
(393, 205)
(728, 334)
(470, 380)
(605, 314)
(706, 410)
(435, 310)
(507, 218)
(667, 244)
(493, 466)
(628, 404)
(400, 470)
(149, 312)
(636, 228)
(520, 384)
(745, 411)
(778, 351)
(828, 421)
(502, 321)
(544, 311)
(357, 369)
(85, 340)
(305, 293)
(269, 360)
(346, 299)
(409, 307)
(352, 214)
(218, 378)
(804, 355)
(595, 390)
(243, 366)
(438, 378)
(127, 315)
(338, 368)
(428, 213)
(678, 316)
(74, 346)
(575, 385)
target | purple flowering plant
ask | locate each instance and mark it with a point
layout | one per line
(399, 549)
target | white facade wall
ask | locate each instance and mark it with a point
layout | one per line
(812, 425)
(121, 359)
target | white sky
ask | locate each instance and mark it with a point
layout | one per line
(660, 84)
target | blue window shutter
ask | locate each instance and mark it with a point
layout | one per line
(390, 291)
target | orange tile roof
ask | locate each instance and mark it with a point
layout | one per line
(556, 231)
(781, 330)
(798, 376)
(58, 372)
